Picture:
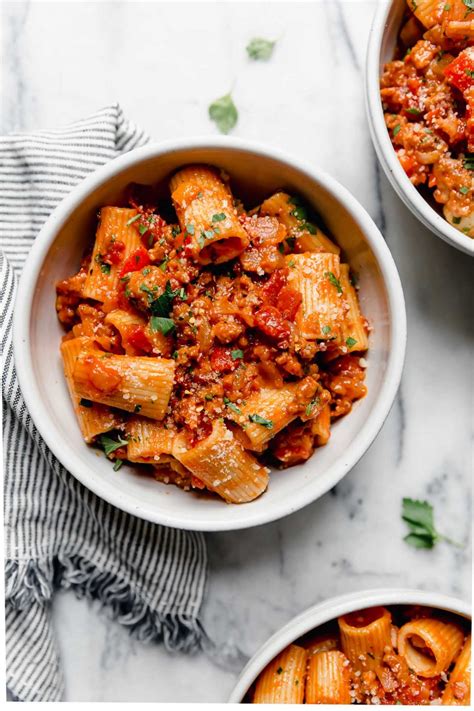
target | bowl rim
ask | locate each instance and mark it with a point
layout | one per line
(66, 454)
(383, 145)
(318, 614)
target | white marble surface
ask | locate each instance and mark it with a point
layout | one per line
(165, 62)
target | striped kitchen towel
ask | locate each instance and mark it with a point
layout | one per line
(57, 533)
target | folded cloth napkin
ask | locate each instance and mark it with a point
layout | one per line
(57, 533)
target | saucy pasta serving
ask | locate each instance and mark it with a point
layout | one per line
(210, 342)
(401, 655)
(428, 98)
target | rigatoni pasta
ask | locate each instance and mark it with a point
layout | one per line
(364, 658)
(214, 343)
(283, 680)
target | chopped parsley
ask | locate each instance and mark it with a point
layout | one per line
(110, 445)
(164, 264)
(396, 130)
(104, 266)
(137, 409)
(133, 219)
(208, 396)
(259, 420)
(418, 515)
(147, 290)
(464, 189)
(163, 325)
(311, 405)
(350, 342)
(470, 73)
(142, 229)
(334, 281)
(469, 161)
(456, 220)
(299, 212)
(326, 330)
(260, 49)
(85, 403)
(281, 248)
(162, 305)
(470, 5)
(175, 231)
(231, 406)
(118, 464)
(224, 113)
(414, 111)
(309, 227)
(146, 271)
(280, 670)
(218, 217)
(190, 229)
(236, 354)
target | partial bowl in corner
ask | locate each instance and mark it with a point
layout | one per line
(310, 630)
(256, 171)
(382, 42)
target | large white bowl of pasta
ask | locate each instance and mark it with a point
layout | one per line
(218, 349)
(407, 647)
(420, 97)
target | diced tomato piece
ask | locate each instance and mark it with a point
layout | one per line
(460, 72)
(136, 261)
(270, 321)
(222, 361)
(138, 339)
(113, 253)
(274, 285)
(288, 302)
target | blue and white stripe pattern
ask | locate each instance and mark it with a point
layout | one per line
(57, 533)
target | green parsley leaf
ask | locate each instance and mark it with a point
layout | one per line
(162, 305)
(133, 219)
(137, 408)
(470, 5)
(326, 330)
(299, 212)
(208, 396)
(236, 354)
(260, 49)
(281, 248)
(350, 341)
(456, 220)
(142, 229)
(469, 160)
(231, 406)
(309, 227)
(414, 112)
(224, 113)
(334, 281)
(175, 231)
(396, 130)
(418, 515)
(280, 670)
(118, 464)
(110, 445)
(261, 421)
(208, 234)
(311, 405)
(218, 217)
(85, 403)
(190, 229)
(163, 264)
(163, 325)
(464, 189)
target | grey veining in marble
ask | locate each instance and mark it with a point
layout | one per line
(165, 62)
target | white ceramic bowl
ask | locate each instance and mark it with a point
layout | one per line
(382, 42)
(318, 615)
(256, 171)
